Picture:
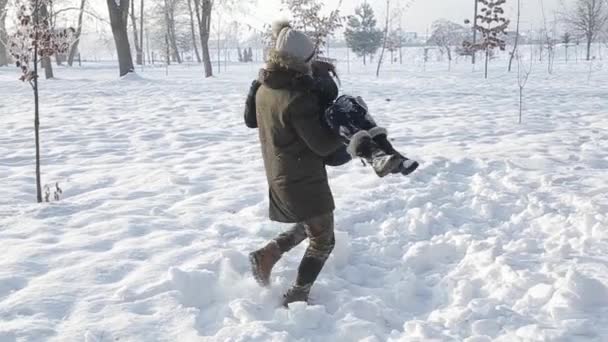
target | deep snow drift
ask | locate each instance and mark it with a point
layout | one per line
(501, 234)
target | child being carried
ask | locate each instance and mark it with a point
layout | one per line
(348, 117)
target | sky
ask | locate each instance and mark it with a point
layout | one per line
(420, 14)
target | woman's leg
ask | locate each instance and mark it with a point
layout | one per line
(264, 259)
(320, 231)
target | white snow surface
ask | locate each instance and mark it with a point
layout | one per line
(501, 235)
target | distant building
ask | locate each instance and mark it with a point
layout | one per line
(413, 36)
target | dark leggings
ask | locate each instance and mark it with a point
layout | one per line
(320, 231)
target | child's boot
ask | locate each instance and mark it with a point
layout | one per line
(363, 146)
(380, 137)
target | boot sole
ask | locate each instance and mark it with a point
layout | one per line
(410, 169)
(393, 163)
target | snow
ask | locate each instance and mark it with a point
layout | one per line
(499, 236)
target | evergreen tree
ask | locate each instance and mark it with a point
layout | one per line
(361, 33)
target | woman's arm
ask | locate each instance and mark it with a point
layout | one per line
(250, 114)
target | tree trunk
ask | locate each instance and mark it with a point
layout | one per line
(449, 50)
(46, 64)
(141, 35)
(589, 41)
(207, 59)
(364, 60)
(487, 57)
(138, 53)
(388, 3)
(45, 61)
(36, 110)
(170, 21)
(516, 35)
(203, 16)
(118, 20)
(521, 90)
(167, 50)
(219, 57)
(150, 54)
(566, 47)
(473, 55)
(193, 32)
(74, 47)
(3, 35)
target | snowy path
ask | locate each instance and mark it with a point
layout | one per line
(501, 235)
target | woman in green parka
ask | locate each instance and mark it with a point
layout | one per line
(294, 145)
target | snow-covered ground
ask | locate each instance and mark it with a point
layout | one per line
(502, 234)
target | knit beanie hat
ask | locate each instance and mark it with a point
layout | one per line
(294, 49)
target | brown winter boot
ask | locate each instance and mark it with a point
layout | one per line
(263, 260)
(296, 294)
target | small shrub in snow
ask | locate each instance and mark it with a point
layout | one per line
(56, 193)
(493, 29)
(522, 79)
(35, 38)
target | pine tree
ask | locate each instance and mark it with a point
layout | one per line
(361, 33)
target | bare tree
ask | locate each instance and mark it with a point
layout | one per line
(522, 79)
(138, 47)
(515, 45)
(36, 37)
(203, 9)
(385, 39)
(309, 19)
(193, 31)
(475, 16)
(549, 41)
(170, 6)
(566, 40)
(141, 34)
(119, 14)
(3, 35)
(588, 18)
(74, 47)
(445, 35)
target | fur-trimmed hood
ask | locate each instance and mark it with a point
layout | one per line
(281, 60)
